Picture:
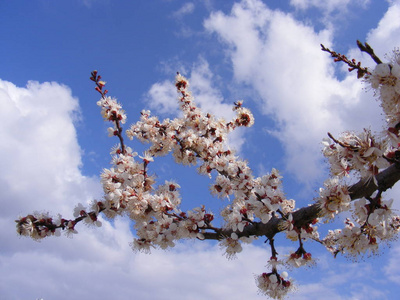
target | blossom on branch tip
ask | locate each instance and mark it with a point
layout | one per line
(79, 211)
(147, 158)
(274, 285)
(244, 117)
(111, 110)
(231, 245)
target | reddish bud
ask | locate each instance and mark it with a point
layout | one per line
(93, 216)
(218, 188)
(286, 283)
(208, 218)
(295, 255)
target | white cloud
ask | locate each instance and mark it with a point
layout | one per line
(328, 6)
(186, 9)
(39, 149)
(386, 36)
(281, 59)
(205, 90)
(40, 160)
(331, 11)
(162, 98)
(98, 263)
(350, 287)
(391, 270)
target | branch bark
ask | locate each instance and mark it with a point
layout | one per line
(304, 216)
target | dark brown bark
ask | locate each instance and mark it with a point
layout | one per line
(304, 216)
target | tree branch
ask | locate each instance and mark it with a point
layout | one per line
(353, 65)
(306, 215)
(368, 49)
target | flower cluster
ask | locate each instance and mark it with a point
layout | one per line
(385, 79)
(274, 285)
(361, 153)
(298, 259)
(365, 155)
(374, 223)
(199, 139)
(111, 110)
(41, 225)
(333, 199)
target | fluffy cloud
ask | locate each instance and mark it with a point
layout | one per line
(327, 6)
(39, 148)
(40, 161)
(280, 58)
(331, 13)
(186, 9)
(386, 36)
(162, 98)
(391, 269)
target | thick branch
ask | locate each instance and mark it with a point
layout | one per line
(304, 216)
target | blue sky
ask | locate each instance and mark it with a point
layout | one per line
(54, 142)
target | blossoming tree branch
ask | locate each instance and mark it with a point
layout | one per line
(257, 206)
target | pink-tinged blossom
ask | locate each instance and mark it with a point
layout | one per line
(306, 233)
(231, 245)
(222, 187)
(274, 285)
(70, 228)
(111, 110)
(79, 211)
(147, 157)
(385, 79)
(334, 198)
(352, 241)
(141, 245)
(300, 259)
(244, 117)
(288, 223)
(362, 153)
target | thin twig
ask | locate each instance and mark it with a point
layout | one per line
(368, 49)
(353, 65)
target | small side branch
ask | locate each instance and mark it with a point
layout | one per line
(350, 147)
(353, 65)
(368, 49)
(115, 117)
